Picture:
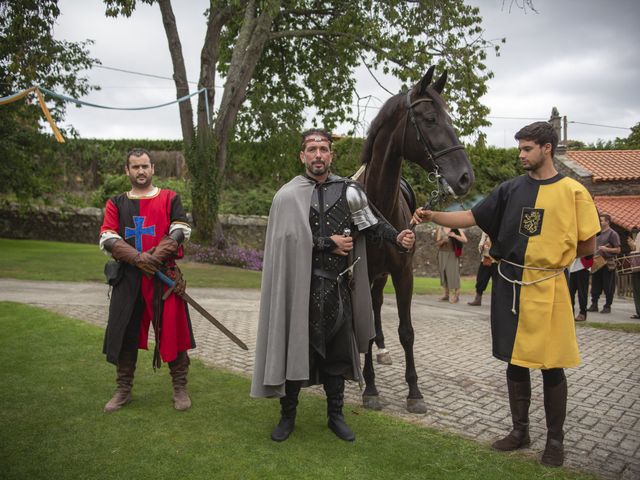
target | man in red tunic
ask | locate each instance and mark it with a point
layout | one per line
(143, 229)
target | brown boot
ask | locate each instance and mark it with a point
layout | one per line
(477, 301)
(179, 369)
(124, 381)
(519, 401)
(555, 408)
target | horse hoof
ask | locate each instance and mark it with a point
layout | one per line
(416, 405)
(371, 402)
(384, 358)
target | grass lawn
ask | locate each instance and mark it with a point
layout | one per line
(60, 261)
(620, 327)
(55, 383)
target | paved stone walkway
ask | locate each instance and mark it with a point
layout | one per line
(463, 385)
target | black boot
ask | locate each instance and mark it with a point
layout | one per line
(334, 388)
(124, 380)
(519, 401)
(288, 405)
(476, 301)
(555, 408)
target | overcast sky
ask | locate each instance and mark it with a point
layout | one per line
(578, 55)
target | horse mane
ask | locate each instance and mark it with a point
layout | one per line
(386, 112)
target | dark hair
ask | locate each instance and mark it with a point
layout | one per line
(138, 152)
(540, 133)
(607, 217)
(319, 131)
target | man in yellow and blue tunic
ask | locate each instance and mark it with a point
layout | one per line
(539, 222)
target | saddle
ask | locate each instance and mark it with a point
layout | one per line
(408, 194)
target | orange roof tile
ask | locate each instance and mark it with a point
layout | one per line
(624, 210)
(608, 165)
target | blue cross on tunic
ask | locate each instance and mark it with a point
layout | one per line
(139, 231)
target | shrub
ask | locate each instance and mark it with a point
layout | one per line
(249, 201)
(233, 256)
(112, 185)
(181, 186)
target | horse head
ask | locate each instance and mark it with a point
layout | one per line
(428, 137)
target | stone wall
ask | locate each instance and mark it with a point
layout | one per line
(82, 225)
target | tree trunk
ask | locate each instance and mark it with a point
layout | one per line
(253, 36)
(208, 62)
(206, 148)
(179, 70)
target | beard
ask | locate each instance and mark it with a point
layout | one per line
(319, 168)
(140, 181)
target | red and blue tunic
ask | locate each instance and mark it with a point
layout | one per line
(142, 222)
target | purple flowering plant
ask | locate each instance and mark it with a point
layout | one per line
(233, 255)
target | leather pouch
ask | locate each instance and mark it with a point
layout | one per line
(113, 272)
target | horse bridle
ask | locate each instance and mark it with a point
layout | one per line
(442, 186)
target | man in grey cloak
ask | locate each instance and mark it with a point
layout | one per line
(315, 308)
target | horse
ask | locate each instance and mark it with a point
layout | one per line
(414, 126)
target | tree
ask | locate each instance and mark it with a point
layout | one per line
(279, 57)
(29, 55)
(632, 142)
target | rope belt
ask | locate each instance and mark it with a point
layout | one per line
(513, 282)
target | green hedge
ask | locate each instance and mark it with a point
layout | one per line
(84, 172)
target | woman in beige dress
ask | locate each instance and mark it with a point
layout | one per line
(448, 263)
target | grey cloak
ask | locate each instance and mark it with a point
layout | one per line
(282, 344)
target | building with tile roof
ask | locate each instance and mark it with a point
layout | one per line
(613, 179)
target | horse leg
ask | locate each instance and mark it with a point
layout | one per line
(370, 397)
(383, 357)
(403, 284)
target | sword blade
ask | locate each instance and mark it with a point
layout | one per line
(203, 312)
(215, 322)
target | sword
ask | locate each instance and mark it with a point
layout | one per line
(349, 269)
(170, 283)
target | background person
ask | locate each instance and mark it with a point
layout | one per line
(449, 242)
(604, 280)
(143, 230)
(579, 283)
(486, 269)
(634, 243)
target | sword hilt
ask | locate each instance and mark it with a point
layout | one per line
(166, 280)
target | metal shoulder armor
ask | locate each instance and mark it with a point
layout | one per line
(361, 213)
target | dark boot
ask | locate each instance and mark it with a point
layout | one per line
(519, 401)
(334, 388)
(288, 405)
(179, 369)
(555, 408)
(593, 307)
(124, 381)
(477, 301)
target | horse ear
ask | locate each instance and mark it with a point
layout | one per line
(439, 85)
(426, 80)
